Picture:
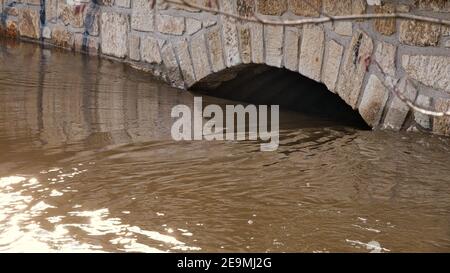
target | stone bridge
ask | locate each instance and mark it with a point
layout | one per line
(188, 47)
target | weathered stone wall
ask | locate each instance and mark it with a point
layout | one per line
(185, 45)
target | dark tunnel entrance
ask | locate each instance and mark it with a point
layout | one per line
(262, 84)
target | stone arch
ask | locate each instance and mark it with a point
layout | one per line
(309, 51)
(267, 85)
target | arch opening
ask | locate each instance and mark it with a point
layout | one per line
(263, 84)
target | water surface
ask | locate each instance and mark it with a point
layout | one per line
(87, 164)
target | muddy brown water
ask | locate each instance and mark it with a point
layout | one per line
(87, 164)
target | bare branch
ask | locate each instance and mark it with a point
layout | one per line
(322, 20)
(411, 104)
(212, 10)
(316, 20)
(417, 107)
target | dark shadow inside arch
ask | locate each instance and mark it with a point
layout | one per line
(262, 84)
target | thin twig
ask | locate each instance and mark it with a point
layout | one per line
(400, 94)
(319, 20)
(415, 106)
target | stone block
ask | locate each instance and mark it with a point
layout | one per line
(385, 55)
(445, 30)
(374, 2)
(359, 6)
(291, 48)
(245, 44)
(341, 7)
(142, 16)
(343, 28)
(214, 40)
(11, 11)
(93, 45)
(72, 15)
(62, 37)
(354, 68)
(200, 57)
(441, 125)
(332, 64)
(123, 3)
(421, 119)
(201, 3)
(432, 71)
(47, 32)
(419, 33)
(171, 66)
(373, 101)
(311, 52)
(398, 110)
(134, 44)
(193, 26)
(434, 5)
(230, 36)
(78, 40)
(11, 30)
(310, 8)
(272, 7)
(29, 23)
(185, 61)
(150, 52)
(114, 29)
(51, 11)
(245, 8)
(170, 24)
(257, 36)
(385, 26)
(273, 36)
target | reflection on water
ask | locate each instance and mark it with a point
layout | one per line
(87, 164)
